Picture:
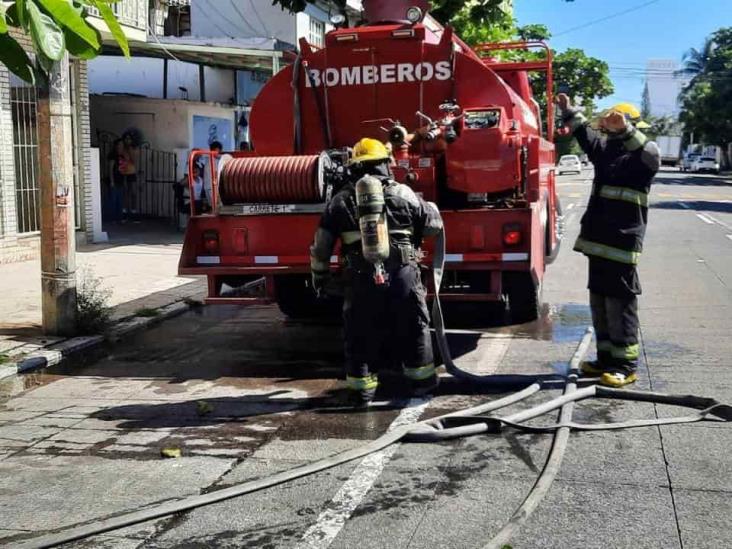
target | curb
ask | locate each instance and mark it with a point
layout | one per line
(58, 352)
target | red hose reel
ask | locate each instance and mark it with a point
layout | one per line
(273, 180)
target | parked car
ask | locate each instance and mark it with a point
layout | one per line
(688, 160)
(705, 164)
(569, 163)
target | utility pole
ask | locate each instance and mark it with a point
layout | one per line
(58, 245)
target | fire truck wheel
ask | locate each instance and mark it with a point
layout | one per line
(296, 299)
(524, 296)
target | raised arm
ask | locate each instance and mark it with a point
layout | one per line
(589, 140)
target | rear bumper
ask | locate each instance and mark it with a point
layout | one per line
(269, 241)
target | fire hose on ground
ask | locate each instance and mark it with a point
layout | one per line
(462, 423)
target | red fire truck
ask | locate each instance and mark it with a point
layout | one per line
(466, 132)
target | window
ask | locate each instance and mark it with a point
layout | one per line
(178, 19)
(317, 33)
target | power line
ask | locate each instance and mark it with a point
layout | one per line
(600, 20)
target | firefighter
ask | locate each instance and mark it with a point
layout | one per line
(385, 311)
(612, 231)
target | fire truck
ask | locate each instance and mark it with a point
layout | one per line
(466, 133)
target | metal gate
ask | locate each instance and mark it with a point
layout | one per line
(157, 176)
(24, 107)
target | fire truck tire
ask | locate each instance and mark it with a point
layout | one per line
(296, 299)
(524, 296)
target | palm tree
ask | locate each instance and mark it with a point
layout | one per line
(695, 61)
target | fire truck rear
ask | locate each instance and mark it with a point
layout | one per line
(466, 134)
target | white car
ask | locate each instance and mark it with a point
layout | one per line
(569, 163)
(688, 160)
(705, 164)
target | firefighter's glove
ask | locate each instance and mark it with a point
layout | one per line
(321, 281)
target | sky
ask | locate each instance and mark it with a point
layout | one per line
(654, 29)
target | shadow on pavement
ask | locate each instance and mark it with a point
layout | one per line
(698, 205)
(693, 180)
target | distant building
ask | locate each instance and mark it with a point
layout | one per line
(663, 85)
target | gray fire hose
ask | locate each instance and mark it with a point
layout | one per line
(467, 422)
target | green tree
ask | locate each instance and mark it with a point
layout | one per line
(646, 103)
(706, 104)
(586, 78)
(55, 27)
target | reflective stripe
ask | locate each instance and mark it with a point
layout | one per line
(368, 383)
(627, 352)
(423, 372)
(636, 140)
(208, 260)
(607, 252)
(402, 231)
(515, 257)
(625, 194)
(604, 346)
(351, 237)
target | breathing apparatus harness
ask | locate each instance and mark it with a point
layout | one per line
(372, 223)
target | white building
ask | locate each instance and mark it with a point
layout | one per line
(664, 85)
(251, 25)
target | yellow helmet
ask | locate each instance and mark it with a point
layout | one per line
(630, 111)
(369, 150)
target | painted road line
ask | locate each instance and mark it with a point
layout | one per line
(729, 236)
(718, 222)
(705, 219)
(570, 206)
(331, 521)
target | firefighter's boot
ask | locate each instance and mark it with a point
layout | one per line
(361, 390)
(618, 379)
(602, 365)
(422, 380)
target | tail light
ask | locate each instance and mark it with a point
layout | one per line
(211, 242)
(512, 234)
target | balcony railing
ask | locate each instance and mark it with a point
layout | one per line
(130, 13)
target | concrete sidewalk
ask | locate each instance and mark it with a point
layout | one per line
(138, 266)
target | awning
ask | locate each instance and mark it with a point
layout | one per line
(225, 57)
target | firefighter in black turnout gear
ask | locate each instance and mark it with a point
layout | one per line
(380, 224)
(612, 231)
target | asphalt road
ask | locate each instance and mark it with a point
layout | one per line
(244, 393)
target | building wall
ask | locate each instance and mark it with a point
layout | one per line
(15, 247)
(144, 76)
(83, 137)
(253, 19)
(166, 124)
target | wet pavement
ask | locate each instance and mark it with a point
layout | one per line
(244, 393)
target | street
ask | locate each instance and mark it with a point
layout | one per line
(244, 393)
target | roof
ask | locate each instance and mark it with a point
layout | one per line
(228, 53)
